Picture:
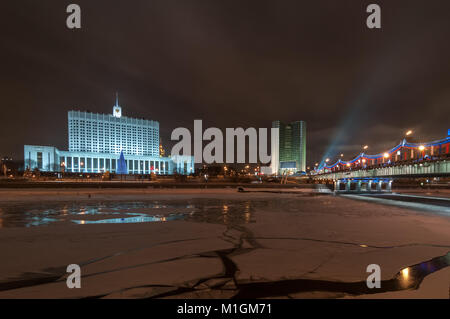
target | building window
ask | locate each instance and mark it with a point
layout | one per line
(69, 163)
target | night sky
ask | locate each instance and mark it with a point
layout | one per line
(230, 63)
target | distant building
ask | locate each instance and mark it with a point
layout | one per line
(96, 142)
(8, 165)
(289, 147)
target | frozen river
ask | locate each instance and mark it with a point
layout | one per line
(218, 243)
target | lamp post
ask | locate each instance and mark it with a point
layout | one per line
(385, 156)
(422, 150)
(63, 169)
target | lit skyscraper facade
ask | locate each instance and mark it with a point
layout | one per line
(289, 147)
(97, 140)
(112, 133)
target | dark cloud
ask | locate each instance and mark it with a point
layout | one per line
(230, 63)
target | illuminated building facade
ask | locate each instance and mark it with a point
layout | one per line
(95, 144)
(112, 133)
(289, 147)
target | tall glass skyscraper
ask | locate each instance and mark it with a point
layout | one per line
(289, 147)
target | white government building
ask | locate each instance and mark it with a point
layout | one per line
(96, 141)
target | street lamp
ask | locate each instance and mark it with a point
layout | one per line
(408, 133)
(63, 167)
(365, 147)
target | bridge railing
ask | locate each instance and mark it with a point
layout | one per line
(431, 168)
(404, 153)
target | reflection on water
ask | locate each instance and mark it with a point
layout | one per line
(408, 278)
(404, 276)
(411, 277)
(210, 211)
(39, 221)
(138, 219)
(247, 212)
(225, 214)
